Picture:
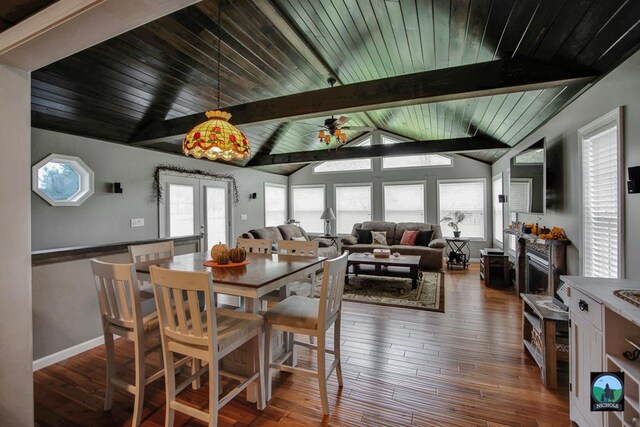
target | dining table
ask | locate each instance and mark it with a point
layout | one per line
(261, 275)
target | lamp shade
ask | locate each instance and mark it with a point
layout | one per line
(328, 214)
(216, 139)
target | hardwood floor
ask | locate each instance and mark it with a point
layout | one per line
(464, 367)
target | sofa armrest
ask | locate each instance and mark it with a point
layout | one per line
(349, 240)
(322, 243)
(437, 244)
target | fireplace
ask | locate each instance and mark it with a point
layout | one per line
(537, 270)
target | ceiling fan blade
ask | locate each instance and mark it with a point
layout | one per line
(341, 120)
(358, 128)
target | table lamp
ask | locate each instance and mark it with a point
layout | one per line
(327, 215)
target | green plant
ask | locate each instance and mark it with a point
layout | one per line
(454, 220)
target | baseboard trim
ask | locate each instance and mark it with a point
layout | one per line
(66, 353)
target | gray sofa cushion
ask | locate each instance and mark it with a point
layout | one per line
(389, 227)
(271, 233)
(289, 230)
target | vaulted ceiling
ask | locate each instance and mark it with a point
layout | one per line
(166, 70)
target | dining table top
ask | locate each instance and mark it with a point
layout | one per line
(262, 269)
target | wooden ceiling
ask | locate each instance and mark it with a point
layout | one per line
(14, 11)
(167, 69)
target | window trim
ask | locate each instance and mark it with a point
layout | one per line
(616, 116)
(494, 198)
(383, 168)
(424, 195)
(264, 200)
(484, 199)
(85, 174)
(355, 184)
(291, 204)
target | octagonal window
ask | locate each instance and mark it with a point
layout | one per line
(62, 180)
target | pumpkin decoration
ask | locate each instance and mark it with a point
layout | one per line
(223, 258)
(218, 250)
(237, 254)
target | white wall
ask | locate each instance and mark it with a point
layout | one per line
(620, 88)
(462, 168)
(16, 380)
(105, 216)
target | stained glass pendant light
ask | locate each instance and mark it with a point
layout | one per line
(216, 138)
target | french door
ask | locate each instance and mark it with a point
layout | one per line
(195, 206)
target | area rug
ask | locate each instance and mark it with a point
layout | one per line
(391, 291)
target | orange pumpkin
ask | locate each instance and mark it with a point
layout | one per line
(218, 250)
(237, 254)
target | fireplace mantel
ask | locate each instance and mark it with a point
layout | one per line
(555, 252)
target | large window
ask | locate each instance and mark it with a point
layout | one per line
(404, 202)
(275, 204)
(496, 186)
(345, 165)
(353, 204)
(602, 208)
(307, 205)
(466, 196)
(415, 161)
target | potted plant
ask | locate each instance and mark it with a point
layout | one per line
(454, 220)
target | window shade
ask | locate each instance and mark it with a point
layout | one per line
(419, 160)
(497, 208)
(308, 204)
(275, 205)
(600, 202)
(345, 165)
(465, 196)
(404, 202)
(353, 204)
(520, 195)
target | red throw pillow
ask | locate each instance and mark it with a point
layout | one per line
(409, 237)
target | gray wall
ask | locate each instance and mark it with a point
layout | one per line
(462, 168)
(16, 379)
(620, 88)
(105, 217)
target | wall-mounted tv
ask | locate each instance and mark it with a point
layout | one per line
(527, 182)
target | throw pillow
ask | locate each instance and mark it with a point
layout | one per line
(409, 237)
(364, 236)
(424, 237)
(379, 237)
(299, 239)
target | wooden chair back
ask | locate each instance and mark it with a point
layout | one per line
(151, 251)
(334, 271)
(295, 247)
(118, 294)
(257, 246)
(179, 314)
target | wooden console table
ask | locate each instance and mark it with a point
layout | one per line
(545, 336)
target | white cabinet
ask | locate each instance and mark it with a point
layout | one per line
(585, 355)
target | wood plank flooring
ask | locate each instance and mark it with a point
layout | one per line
(464, 367)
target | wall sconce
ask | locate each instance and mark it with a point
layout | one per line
(502, 198)
(633, 185)
(253, 196)
(116, 187)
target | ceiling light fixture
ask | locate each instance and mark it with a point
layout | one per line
(216, 138)
(332, 128)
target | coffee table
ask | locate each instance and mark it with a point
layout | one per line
(407, 266)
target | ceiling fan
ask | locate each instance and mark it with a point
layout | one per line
(334, 128)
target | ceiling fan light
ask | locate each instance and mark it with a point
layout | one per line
(343, 137)
(327, 139)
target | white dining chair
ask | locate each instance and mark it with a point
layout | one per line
(151, 251)
(257, 246)
(207, 335)
(312, 317)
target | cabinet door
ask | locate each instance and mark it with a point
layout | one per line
(586, 357)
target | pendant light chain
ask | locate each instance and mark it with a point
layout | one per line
(219, 36)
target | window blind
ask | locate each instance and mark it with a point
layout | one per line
(404, 202)
(465, 196)
(600, 202)
(520, 195)
(497, 208)
(275, 205)
(308, 205)
(353, 204)
(345, 165)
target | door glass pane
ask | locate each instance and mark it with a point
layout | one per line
(181, 210)
(216, 215)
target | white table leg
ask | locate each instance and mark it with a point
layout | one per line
(251, 305)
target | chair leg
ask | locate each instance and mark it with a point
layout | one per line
(213, 395)
(170, 387)
(139, 381)
(292, 348)
(267, 362)
(258, 352)
(195, 367)
(322, 374)
(111, 369)
(336, 348)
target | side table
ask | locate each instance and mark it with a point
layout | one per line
(494, 268)
(333, 238)
(458, 252)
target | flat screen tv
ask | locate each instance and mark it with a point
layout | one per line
(527, 183)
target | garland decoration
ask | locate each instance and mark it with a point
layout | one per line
(194, 173)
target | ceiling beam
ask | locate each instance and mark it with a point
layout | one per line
(454, 145)
(463, 82)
